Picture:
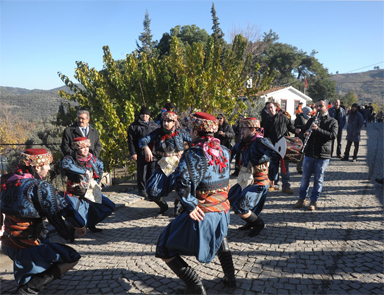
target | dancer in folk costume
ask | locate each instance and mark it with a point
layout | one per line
(84, 174)
(169, 146)
(26, 200)
(259, 161)
(202, 183)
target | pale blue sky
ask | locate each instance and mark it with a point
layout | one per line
(40, 38)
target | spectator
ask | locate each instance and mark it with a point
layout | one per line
(355, 123)
(237, 129)
(366, 115)
(136, 131)
(317, 154)
(338, 113)
(380, 117)
(225, 132)
(81, 128)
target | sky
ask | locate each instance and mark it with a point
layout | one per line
(40, 38)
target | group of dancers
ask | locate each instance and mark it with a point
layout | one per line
(199, 174)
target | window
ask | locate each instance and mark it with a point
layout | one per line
(284, 105)
(296, 104)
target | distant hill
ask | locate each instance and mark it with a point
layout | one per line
(33, 105)
(369, 86)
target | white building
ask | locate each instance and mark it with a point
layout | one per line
(288, 97)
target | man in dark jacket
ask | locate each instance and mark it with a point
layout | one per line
(355, 123)
(338, 113)
(137, 130)
(317, 153)
(276, 127)
(81, 129)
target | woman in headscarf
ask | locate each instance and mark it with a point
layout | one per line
(225, 132)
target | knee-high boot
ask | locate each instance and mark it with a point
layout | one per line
(225, 257)
(39, 281)
(188, 275)
(257, 224)
(163, 206)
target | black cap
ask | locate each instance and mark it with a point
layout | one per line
(145, 111)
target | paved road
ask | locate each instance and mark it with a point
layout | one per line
(337, 249)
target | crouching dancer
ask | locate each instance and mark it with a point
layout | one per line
(202, 182)
(259, 160)
(169, 145)
(84, 195)
(26, 200)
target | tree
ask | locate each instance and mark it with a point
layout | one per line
(12, 132)
(349, 99)
(217, 32)
(196, 79)
(147, 45)
(188, 34)
(322, 89)
(292, 65)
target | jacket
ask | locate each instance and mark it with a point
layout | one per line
(229, 134)
(136, 131)
(342, 119)
(74, 131)
(355, 123)
(276, 127)
(319, 144)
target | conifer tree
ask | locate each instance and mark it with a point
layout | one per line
(217, 32)
(147, 45)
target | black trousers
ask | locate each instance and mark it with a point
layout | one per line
(348, 148)
(144, 171)
(338, 147)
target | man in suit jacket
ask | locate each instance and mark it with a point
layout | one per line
(81, 129)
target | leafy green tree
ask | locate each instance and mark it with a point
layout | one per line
(147, 45)
(349, 99)
(292, 65)
(188, 34)
(198, 79)
(322, 88)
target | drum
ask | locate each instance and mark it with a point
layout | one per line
(289, 148)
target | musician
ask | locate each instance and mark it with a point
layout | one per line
(202, 182)
(26, 200)
(317, 153)
(258, 155)
(169, 146)
(276, 127)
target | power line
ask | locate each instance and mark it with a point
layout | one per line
(366, 66)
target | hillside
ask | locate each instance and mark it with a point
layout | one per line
(369, 86)
(33, 105)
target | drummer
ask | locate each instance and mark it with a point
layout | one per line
(275, 127)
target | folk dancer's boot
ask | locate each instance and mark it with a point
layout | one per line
(257, 224)
(188, 275)
(39, 281)
(225, 257)
(163, 206)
